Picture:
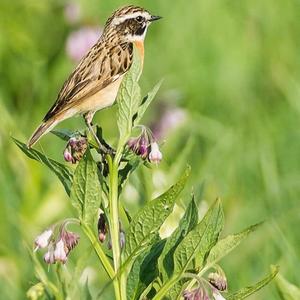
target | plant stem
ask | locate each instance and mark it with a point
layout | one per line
(106, 264)
(114, 220)
(165, 288)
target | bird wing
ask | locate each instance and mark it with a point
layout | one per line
(101, 66)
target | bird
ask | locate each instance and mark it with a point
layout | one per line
(94, 83)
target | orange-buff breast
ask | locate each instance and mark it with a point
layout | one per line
(140, 46)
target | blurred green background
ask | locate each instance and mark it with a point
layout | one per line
(229, 106)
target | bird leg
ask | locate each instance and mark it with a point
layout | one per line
(88, 117)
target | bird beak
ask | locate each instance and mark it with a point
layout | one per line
(154, 18)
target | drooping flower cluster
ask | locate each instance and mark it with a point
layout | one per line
(75, 149)
(145, 146)
(208, 289)
(59, 248)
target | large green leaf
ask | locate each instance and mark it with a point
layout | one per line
(287, 290)
(187, 223)
(64, 173)
(247, 291)
(144, 270)
(146, 102)
(149, 219)
(200, 240)
(129, 97)
(86, 189)
(226, 245)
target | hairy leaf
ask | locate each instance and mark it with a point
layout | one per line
(64, 134)
(149, 219)
(247, 291)
(129, 97)
(64, 173)
(226, 245)
(144, 270)
(187, 223)
(86, 189)
(146, 102)
(200, 240)
(85, 292)
(287, 290)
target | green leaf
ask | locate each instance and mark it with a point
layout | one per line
(64, 173)
(144, 270)
(64, 134)
(146, 102)
(86, 189)
(127, 170)
(85, 292)
(247, 291)
(200, 240)
(226, 245)
(149, 219)
(187, 223)
(129, 97)
(287, 290)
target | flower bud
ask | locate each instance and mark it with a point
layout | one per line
(155, 155)
(42, 241)
(218, 281)
(102, 229)
(68, 155)
(60, 253)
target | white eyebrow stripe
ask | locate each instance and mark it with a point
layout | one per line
(119, 20)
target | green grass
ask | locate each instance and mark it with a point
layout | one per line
(235, 68)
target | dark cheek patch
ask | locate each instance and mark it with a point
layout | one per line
(140, 30)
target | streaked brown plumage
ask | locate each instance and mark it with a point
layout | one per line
(94, 83)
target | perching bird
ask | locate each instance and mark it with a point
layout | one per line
(94, 83)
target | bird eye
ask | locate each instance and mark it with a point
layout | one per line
(139, 19)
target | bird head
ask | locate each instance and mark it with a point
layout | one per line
(130, 22)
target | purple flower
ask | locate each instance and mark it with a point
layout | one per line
(80, 41)
(75, 149)
(170, 119)
(72, 12)
(218, 281)
(42, 241)
(141, 144)
(195, 294)
(60, 252)
(49, 257)
(68, 155)
(155, 155)
(143, 147)
(70, 240)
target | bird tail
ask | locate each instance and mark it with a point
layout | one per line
(41, 130)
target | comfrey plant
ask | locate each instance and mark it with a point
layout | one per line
(140, 264)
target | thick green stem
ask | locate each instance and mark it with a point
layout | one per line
(106, 264)
(165, 288)
(114, 220)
